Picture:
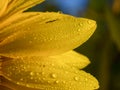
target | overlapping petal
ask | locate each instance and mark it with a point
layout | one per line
(3, 6)
(18, 6)
(47, 73)
(44, 34)
(73, 59)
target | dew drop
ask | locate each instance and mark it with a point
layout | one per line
(30, 42)
(8, 75)
(31, 78)
(42, 73)
(18, 83)
(80, 83)
(76, 78)
(36, 80)
(24, 67)
(49, 82)
(59, 12)
(57, 81)
(37, 73)
(64, 82)
(89, 22)
(79, 30)
(54, 75)
(43, 78)
(35, 38)
(81, 24)
(31, 73)
(86, 79)
(27, 85)
(39, 78)
(21, 79)
(28, 28)
(53, 65)
(70, 88)
(66, 72)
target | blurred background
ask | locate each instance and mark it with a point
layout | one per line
(103, 48)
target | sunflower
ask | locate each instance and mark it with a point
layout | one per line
(36, 49)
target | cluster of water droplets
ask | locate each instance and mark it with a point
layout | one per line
(47, 74)
(38, 74)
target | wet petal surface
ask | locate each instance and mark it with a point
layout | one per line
(46, 74)
(45, 34)
(3, 6)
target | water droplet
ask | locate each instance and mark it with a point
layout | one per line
(54, 75)
(81, 24)
(28, 28)
(50, 39)
(59, 12)
(89, 22)
(86, 79)
(30, 42)
(37, 73)
(31, 73)
(8, 75)
(76, 78)
(21, 79)
(49, 82)
(43, 78)
(35, 38)
(31, 78)
(57, 81)
(53, 65)
(27, 85)
(64, 82)
(36, 80)
(24, 67)
(42, 73)
(66, 72)
(79, 30)
(18, 83)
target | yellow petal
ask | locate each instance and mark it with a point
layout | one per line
(15, 19)
(73, 59)
(45, 34)
(8, 85)
(18, 6)
(45, 74)
(3, 6)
